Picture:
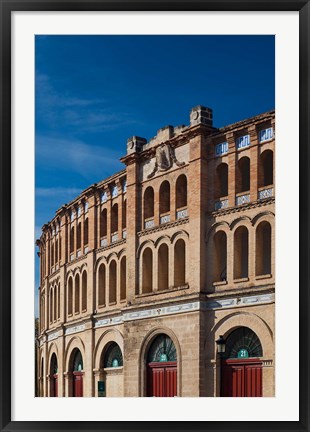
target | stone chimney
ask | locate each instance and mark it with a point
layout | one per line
(201, 115)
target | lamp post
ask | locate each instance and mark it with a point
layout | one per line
(220, 344)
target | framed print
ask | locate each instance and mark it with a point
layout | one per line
(148, 262)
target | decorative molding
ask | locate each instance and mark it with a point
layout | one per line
(74, 329)
(243, 208)
(111, 246)
(163, 227)
(165, 158)
(240, 301)
(165, 311)
(53, 336)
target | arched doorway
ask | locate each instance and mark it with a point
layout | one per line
(77, 373)
(54, 376)
(112, 370)
(241, 365)
(162, 367)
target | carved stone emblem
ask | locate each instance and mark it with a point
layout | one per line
(164, 159)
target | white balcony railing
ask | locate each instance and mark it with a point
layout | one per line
(182, 213)
(220, 204)
(242, 199)
(114, 237)
(265, 193)
(103, 242)
(165, 218)
(149, 223)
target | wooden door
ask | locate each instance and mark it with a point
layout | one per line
(77, 384)
(241, 378)
(162, 379)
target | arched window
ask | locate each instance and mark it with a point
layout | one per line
(86, 232)
(72, 239)
(77, 294)
(163, 267)
(221, 181)
(148, 205)
(179, 263)
(78, 236)
(147, 271)
(263, 249)
(54, 376)
(84, 291)
(266, 168)
(161, 350)
(164, 198)
(59, 248)
(243, 343)
(113, 356)
(58, 316)
(220, 256)
(241, 253)
(114, 218)
(77, 364)
(55, 301)
(56, 251)
(52, 255)
(123, 278)
(102, 284)
(124, 214)
(70, 296)
(76, 368)
(42, 379)
(112, 282)
(103, 223)
(243, 175)
(51, 305)
(181, 192)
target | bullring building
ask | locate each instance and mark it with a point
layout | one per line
(159, 280)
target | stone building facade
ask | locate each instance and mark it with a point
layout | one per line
(147, 274)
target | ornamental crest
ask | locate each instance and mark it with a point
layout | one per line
(164, 159)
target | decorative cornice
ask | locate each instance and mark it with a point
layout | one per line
(240, 301)
(75, 329)
(160, 311)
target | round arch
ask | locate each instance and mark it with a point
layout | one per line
(253, 322)
(146, 344)
(105, 339)
(74, 343)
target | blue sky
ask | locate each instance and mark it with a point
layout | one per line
(94, 92)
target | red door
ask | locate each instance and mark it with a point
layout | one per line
(77, 384)
(162, 379)
(241, 378)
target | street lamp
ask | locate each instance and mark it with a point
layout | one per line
(220, 343)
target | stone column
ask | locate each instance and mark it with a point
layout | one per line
(134, 146)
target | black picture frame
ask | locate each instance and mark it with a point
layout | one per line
(9, 6)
